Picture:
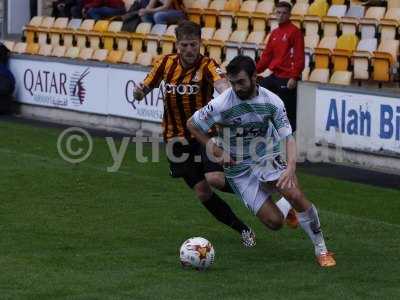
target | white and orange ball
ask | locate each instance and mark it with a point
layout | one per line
(197, 252)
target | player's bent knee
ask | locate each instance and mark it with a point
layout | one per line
(216, 179)
(203, 191)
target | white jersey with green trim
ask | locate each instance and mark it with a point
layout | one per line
(250, 130)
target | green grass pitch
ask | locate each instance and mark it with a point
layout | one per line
(80, 232)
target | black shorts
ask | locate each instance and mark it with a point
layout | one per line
(197, 164)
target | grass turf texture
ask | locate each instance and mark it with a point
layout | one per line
(79, 232)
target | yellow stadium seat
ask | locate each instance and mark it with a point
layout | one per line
(20, 48)
(210, 14)
(369, 23)
(341, 77)
(108, 37)
(261, 14)
(129, 57)
(59, 51)
(194, 9)
(167, 44)
(100, 54)
(152, 40)
(72, 52)
(115, 56)
(144, 59)
(319, 75)
(244, 15)
(59, 26)
(389, 24)
(32, 49)
(338, 2)
(86, 53)
(312, 19)
(9, 44)
(345, 46)
(82, 32)
(96, 34)
(384, 59)
(45, 50)
(323, 51)
(136, 38)
(31, 28)
(171, 30)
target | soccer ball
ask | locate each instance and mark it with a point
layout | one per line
(197, 252)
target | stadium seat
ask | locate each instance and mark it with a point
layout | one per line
(144, 59)
(384, 59)
(233, 45)
(310, 43)
(362, 58)
(227, 15)
(115, 56)
(215, 45)
(331, 20)
(323, 51)
(59, 26)
(261, 14)
(152, 40)
(349, 23)
(20, 48)
(45, 50)
(68, 33)
(393, 4)
(341, 77)
(210, 13)
(171, 30)
(59, 51)
(194, 9)
(389, 24)
(312, 19)
(72, 52)
(345, 46)
(86, 53)
(207, 34)
(243, 16)
(81, 34)
(31, 28)
(136, 38)
(129, 57)
(44, 28)
(32, 49)
(9, 44)
(299, 10)
(100, 54)
(108, 37)
(96, 34)
(319, 75)
(251, 45)
(369, 23)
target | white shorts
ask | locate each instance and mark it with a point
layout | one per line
(249, 185)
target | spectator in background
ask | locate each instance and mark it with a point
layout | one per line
(284, 57)
(63, 8)
(169, 12)
(7, 81)
(99, 9)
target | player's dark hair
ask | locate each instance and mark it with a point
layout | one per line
(187, 29)
(4, 53)
(241, 63)
(284, 4)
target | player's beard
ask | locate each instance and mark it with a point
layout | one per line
(247, 94)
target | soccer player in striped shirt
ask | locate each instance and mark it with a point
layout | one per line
(189, 81)
(254, 122)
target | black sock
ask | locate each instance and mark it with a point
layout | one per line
(227, 188)
(223, 213)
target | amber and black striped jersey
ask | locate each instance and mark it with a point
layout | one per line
(185, 90)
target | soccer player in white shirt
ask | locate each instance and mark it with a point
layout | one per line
(253, 123)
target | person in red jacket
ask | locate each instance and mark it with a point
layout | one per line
(98, 9)
(284, 57)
